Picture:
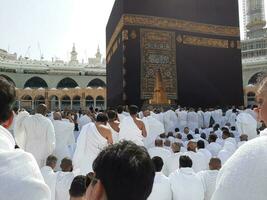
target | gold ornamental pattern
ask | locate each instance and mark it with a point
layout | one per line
(205, 42)
(171, 24)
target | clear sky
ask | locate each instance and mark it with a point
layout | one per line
(55, 25)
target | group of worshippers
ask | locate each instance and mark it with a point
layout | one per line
(121, 154)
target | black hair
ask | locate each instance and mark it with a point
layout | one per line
(176, 130)
(203, 136)
(200, 144)
(119, 109)
(51, 160)
(158, 163)
(7, 98)
(133, 110)
(126, 171)
(112, 114)
(101, 117)
(196, 131)
(185, 161)
(189, 137)
(212, 138)
(78, 186)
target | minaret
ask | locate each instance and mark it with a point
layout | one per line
(98, 55)
(74, 54)
(256, 18)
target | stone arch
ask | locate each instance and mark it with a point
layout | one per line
(26, 102)
(100, 102)
(76, 102)
(53, 102)
(256, 78)
(67, 83)
(35, 82)
(39, 99)
(96, 83)
(8, 79)
(89, 101)
(66, 102)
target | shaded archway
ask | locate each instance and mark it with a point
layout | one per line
(39, 100)
(26, 103)
(66, 102)
(67, 83)
(54, 103)
(76, 103)
(8, 79)
(35, 82)
(96, 83)
(100, 102)
(251, 98)
(256, 78)
(89, 101)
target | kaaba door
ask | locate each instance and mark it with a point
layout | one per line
(158, 66)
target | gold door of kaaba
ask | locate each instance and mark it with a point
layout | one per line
(158, 66)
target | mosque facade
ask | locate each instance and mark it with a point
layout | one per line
(254, 47)
(58, 84)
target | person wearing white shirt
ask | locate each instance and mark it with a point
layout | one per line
(243, 140)
(160, 151)
(173, 160)
(50, 177)
(185, 184)
(213, 147)
(161, 186)
(201, 148)
(208, 177)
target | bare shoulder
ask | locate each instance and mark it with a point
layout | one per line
(104, 128)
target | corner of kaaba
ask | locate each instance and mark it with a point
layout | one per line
(169, 52)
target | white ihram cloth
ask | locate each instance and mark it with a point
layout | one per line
(186, 185)
(182, 116)
(200, 115)
(207, 154)
(130, 131)
(89, 144)
(20, 176)
(207, 116)
(252, 113)
(208, 179)
(121, 117)
(50, 178)
(227, 151)
(170, 121)
(154, 128)
(217, 116)
(192, 120)
(244, 175)
(158, 116)
(85, 119)
(64, 140)
(115, 134)
(63, 183)
(163, 153)
(214, 148)
(199, 160)
(36, 135)
(246, 124)
(173, 162)
(161, 188)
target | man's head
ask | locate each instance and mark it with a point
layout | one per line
(170, 134)
(120, 109)
(212, 138)
(200, 144)
(7, 98)
(57, 116)
(133, 110)
(78, 188)
(122, 171)
(185, 162)
(191, 146)
(226, 134)
(66, 165)
(203, 136)
(112, 115)
(189, 137)
(159, 143)
(51, 161)
(41, 109)
(186, 130)
(167, 143)
(102, 118)
(176, 147)
(196, 131)
(179, 136)
(158, 163)
(215, 164)
(243, 137)
(177, 130)
(146, 113)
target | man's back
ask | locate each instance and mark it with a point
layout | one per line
(40, 137)
(20, 177)
(63, 182)
(161, 188)
(208, 179)
(186, 185)
(50, 178)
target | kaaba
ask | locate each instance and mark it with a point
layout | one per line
(168, 52)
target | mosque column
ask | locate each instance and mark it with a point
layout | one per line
(59, 104)
(83, 104)
(71, 104)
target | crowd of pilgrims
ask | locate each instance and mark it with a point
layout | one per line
(125, 154)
